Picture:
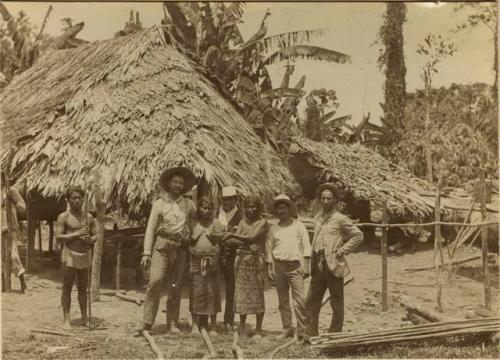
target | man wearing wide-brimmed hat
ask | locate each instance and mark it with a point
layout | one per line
(288, 251)
(166, 244)
(335, 236)
(229, 217)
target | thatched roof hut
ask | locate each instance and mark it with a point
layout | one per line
(123, 110)
(362, 172)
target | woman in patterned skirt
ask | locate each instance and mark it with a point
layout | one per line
(204, 268)
(249, 265)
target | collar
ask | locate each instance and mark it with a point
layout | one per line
(167, 199)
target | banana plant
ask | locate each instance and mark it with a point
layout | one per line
(208, 32)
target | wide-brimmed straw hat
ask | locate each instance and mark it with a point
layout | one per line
(282, 198)
(229, 191)
(189, 178)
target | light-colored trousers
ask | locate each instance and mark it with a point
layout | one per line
(289, 276)
(168, 264)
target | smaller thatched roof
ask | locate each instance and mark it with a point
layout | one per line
(123, 110)
(364, 173)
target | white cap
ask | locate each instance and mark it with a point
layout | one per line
(229, 191)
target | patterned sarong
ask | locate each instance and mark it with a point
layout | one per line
(249, 271)
(205, 288)
(75, 259)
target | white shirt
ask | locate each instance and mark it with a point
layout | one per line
(225, 217)
(288, 243)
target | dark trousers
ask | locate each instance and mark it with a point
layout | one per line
(320, 281)
(69, 276)
(169, 264)
(228, 271)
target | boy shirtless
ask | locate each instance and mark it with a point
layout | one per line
(75, 230)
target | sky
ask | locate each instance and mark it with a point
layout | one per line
(353, 29)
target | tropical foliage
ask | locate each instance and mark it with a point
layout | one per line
(485, 14)
(209, 34)
(20, 43)
(392, 62)
(320, 123)
(435, 50)
(462, 136)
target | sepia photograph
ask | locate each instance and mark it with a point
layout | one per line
(249, 180)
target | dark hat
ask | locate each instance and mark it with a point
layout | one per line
(189, 178)
(339, 195)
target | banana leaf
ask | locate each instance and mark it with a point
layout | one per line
(279, 93)
(328, 118)
(307, 52)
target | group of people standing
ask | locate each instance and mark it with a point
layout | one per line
(238, 243)
(245, 248)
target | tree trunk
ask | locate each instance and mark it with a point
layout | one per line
(98, 247)
(428, 155)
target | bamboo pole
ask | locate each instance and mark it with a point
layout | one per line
(89, 270)
(152, 343)
(40, 246)
(455, 262)
(98, 247)
(384, 257)
(484, 245)
(437, 240)
(118, 269)
(434, 223)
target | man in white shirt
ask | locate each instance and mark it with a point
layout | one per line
(288, 253)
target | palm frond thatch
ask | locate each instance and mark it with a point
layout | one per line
(307, 52)
(363, 173)
(126, 109)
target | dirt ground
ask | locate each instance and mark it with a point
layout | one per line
(118, 320)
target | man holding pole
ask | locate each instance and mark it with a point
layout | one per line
(75, 229)
(10, 197)
(166, 245)
(335, 237)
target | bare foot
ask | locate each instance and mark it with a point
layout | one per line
(257, 335)
(174, 329)
(194, 330)
(213, 332)
(84, 321)
(242, 330)
(67, 326)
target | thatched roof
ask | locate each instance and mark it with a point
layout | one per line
(124, 110)
(362, 172)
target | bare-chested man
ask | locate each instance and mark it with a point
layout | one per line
(75, 230)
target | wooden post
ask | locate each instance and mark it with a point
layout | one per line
(40, 246)
(437, 242)
(484, 245)
(98, 246)
(8, 240)
(30, 235)
(51, 237)
(118, 271)
(384, 256)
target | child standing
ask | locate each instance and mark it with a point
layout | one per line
(204, 268)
